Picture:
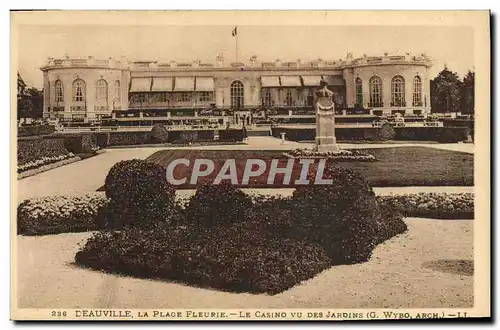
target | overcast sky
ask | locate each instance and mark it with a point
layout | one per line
(452, 45)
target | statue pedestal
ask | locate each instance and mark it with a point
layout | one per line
(325, 121)
(325, 130)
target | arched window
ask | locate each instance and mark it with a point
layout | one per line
(398, 92)
(359, 92)
(117, 91)
(59, 91)
(101, 92)
(376, 92)
(267, 100)
(417, 91)
(79, 90)
(237, 95)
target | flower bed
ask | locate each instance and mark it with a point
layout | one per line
(50, 166)
(35, 149)
(42, 162)
(342, 156)
(60, 214)
(432, 205)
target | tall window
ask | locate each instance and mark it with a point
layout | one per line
(267, 99)
(237, 95)
(162, 97)
(417, 92)
(185, 97)
(359, 92)
(59, 92)
(288, 98)
(206, 96)
(79, 90)
(101, 94)
(398, 92)
(117, 91)
(376, 92)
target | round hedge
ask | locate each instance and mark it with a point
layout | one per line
(344, 216)
(217, 205)
(158, 134)
(386, 133)
(139, 193)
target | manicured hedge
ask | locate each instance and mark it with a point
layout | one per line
(432, 205)
(217, 205)
(158, 134)
(139, 194)
(440, 134)
(59, 214)
(384, 133)
(33, 130)
(128, 138)
(229, 258)
(343, 217)
(77, 143)
(231, 135)
(232, 242)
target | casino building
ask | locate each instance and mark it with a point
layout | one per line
(89, 89)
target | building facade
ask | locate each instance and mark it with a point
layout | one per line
(88, 89)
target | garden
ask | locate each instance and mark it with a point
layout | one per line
(382, 167)
(223, 238)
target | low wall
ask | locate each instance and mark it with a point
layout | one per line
(86, 140)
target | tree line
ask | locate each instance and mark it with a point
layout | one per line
(29, 100)
(449, 93)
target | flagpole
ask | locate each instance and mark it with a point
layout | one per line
(236, 44)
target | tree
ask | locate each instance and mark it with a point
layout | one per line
(467, 97)
(29, 100)
(446, 92)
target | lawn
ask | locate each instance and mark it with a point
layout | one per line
(397, 167)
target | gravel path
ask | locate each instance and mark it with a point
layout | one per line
(395, 277)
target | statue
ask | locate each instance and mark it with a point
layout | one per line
(325, 121)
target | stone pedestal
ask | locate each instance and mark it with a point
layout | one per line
(325, 121)
(325, 131)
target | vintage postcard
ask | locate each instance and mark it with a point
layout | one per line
(251, 165)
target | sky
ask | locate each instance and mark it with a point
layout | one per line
(446, 45)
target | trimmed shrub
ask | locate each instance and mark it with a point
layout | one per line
(226, 258)
(217, 205)
(158, 134)
(78, 144)
(343, 216)
(127, 138)
(432, 205)
(60, 214)
(140, 194)
(188, 136)
(34, 130)
(231, 135)
(385, 133)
